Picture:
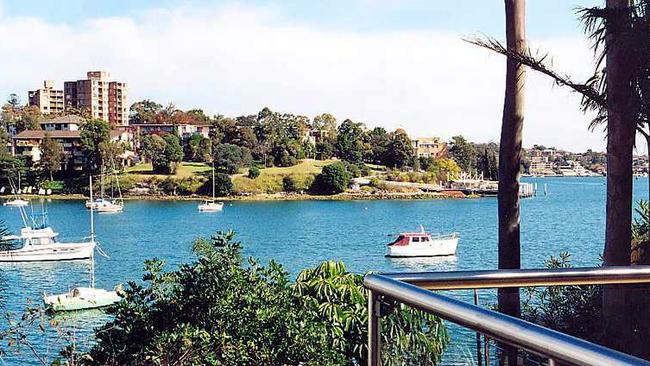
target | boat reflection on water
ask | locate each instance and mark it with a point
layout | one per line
(411, 264)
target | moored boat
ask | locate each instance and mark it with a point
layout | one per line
(39, 243)
(18, 202)
(81, 298)
(422, 244)
(105, 205)
(211, 205)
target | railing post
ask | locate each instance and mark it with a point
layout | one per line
(374, 329)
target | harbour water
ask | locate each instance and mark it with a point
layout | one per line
(302, 234)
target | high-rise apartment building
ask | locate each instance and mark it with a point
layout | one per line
(104, 99)
(47, 99)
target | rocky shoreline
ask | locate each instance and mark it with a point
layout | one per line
(282, 196)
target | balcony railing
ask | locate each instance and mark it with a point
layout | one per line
(413, 289)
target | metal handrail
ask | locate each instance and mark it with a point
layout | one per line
(413, 289)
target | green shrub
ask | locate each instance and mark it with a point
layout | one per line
(222, 184)
(253, 172)
(220, 310)
(289, 184)
(333, 179)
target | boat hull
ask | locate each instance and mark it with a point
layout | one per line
(49, 252)
(16, 203)
(211, 208)
(436, 247)
(81, 299)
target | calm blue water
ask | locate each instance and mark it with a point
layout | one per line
(302, 234)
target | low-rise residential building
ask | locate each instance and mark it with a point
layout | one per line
(63, 123)
(66, 131)
(430, 147)
(540, 165)
(28, 143)
(183, 131)
(47, 99)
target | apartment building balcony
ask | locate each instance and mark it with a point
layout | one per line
(492, 329)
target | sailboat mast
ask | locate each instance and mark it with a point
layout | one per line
(92, 235)
(92, 218)
(101, 182)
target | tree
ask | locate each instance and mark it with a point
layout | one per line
(222, 184)
(333, 179)
(399, 151)
(463, 152)
(93, 134)
(199, 148)
(621, 130)
(144, 111)
(153, 149)
(325, 122)
(350, 141)
(510, 160)
(51, 155)
(379, 141)
(230, 158)
(620, 36)
(444, 169)
(173, 152)
(164, 152)
(487, 162)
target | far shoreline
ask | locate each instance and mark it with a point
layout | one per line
(261, 197)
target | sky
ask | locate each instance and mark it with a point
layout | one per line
(389, 63)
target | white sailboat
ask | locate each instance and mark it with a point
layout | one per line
(102, 204)
(82, 298)
(39, 243)
(17, 201)
(211, 205)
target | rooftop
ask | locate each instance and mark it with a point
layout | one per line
(71, 118)
(39, 134)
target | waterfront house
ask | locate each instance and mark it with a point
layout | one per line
(429, 147)
(183, 131)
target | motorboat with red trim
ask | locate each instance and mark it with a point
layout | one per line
(423, 244)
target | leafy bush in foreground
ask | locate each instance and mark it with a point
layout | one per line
(219, 310)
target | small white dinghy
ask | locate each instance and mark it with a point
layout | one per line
(423, 244)
(83, 298)
(211, 205)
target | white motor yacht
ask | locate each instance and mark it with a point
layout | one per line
(422, 244)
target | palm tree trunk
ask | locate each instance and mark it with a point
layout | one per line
(510, 158)
(620, 144)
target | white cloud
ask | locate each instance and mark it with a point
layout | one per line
(236, 60)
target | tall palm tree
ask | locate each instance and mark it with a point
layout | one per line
(510, 158)
(621, 130)
(621, 36)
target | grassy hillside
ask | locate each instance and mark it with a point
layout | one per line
(270, 179)
(186, 169)
(190, 176)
